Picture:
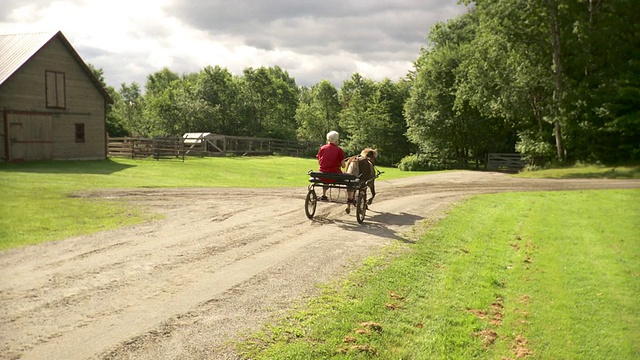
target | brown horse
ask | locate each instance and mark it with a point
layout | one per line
(362, 165)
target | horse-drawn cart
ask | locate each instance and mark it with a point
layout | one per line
(348, 182)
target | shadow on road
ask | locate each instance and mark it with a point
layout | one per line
(377, 225)
(401, 219)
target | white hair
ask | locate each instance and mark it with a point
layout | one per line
(332, 137)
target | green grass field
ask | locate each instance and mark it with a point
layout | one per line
(538, 275)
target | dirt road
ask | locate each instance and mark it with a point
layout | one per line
(220, 264)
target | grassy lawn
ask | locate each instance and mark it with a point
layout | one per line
(586, 172)
(551, 275)
(37, 203)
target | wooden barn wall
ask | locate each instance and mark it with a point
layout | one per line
(3, 154)
(25, 92)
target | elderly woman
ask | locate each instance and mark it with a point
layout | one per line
(330, 158)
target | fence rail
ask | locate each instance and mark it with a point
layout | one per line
(218, 145)
(509, 162)
(134, 148)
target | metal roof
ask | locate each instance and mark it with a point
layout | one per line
(17, 49)
(194, 138)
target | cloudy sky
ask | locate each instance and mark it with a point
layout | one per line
(312, 40)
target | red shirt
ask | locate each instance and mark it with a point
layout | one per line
(330, 157)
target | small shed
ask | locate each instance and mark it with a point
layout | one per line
(221, 145)
(195, 138)
(202, 143)
(52, 105)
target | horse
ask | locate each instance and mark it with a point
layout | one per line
(362, 165)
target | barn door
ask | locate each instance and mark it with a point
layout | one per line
(30, 137)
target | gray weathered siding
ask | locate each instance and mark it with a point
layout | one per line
(25, 92)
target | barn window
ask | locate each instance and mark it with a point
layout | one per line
(79, 132)
(55, 90)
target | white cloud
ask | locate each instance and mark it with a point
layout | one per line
(331, 39)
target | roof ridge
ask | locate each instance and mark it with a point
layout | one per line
(17, 49)
(52, 32)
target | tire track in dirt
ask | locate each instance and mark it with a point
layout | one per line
(184, 253)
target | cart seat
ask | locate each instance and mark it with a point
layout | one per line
(331, 178)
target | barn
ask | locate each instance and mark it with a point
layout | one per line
(52, 105)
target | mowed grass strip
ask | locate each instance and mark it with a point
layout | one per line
(582, 171)
(37, 200)
(551, 275)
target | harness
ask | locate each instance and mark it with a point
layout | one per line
(353, 166)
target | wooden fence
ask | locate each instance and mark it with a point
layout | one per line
(217, 145)
(508, 162)
(134, 148)
(222, 145)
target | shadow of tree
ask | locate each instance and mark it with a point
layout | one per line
(610, 174)
(98, 167)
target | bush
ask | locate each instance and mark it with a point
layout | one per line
(421, 162)
(535, 151)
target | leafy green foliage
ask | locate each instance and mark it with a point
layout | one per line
(557, 74)
(440, 120)
(372, 117)
(422, 162)
(217, 88)
(318, 112)
(535, 151)
(269, 101)
(127, 111)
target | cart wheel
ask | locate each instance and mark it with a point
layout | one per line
(310, 203)
(361, 206)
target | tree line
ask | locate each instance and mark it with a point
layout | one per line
(264, 102)
(555, 80)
